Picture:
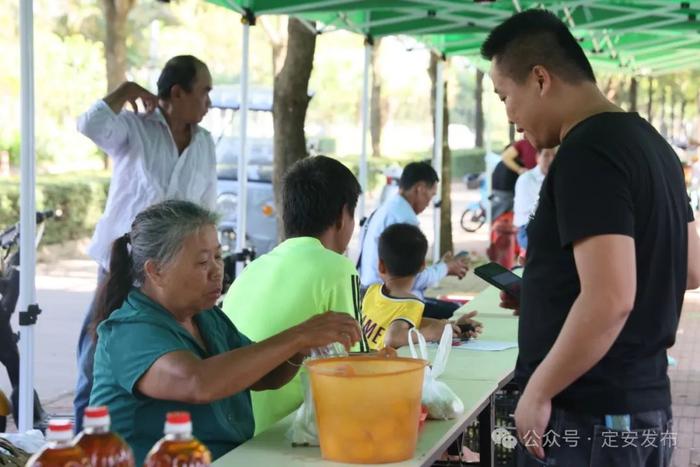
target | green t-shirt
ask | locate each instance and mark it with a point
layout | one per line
(298, 279)
(130, 341)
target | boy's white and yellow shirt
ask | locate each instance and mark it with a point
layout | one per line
(379, 310)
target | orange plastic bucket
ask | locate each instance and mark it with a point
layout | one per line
(367, 408)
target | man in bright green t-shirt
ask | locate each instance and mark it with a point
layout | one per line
(305, 275)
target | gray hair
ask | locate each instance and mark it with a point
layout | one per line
(158, 232)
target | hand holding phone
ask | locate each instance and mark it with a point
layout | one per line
(502, 278)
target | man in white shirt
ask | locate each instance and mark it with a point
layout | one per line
(417, 186)
(160, 154)
(527, 193)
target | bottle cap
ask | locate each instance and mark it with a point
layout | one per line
(59, 429)
(178, 423)
(96, 417)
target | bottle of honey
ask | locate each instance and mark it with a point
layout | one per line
(60, 450)
(102, 447)
(178, 447)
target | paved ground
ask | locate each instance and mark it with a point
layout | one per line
(65, 286)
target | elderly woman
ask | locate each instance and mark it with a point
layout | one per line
(163, 345)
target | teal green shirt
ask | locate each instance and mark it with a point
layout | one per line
(298, 279)
(130, 341)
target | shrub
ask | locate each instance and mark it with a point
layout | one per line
(81, 198)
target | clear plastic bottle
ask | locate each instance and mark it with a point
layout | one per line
(178, 447)
(60, 450)
(103, 447)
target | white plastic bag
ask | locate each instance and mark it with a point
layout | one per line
(441, 401)
(303, 431)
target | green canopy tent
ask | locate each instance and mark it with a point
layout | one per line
(649, 37)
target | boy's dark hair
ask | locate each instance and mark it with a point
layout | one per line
(180, 70)
(402, 247)
(314, 191)
(417, 172)
(537, 37)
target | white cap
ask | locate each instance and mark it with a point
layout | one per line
(178, 423)
(59, 429)
(96, 417)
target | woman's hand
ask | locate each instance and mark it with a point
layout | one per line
(327, 328)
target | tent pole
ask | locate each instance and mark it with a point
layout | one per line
(365, 126)
(27, 291)
(437, 153)
(241, 225)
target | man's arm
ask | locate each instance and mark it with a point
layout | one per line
(103, 124)
(430, 276)
(693, 256)
(606, 266)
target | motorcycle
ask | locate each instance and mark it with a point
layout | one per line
(9, 294)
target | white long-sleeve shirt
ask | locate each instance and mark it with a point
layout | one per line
(527, 193)
(147, 169)
(394, 211)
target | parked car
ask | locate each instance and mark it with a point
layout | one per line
(223, 123)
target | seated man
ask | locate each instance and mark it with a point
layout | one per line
(389, 310)
(417, 187)
(303, 276)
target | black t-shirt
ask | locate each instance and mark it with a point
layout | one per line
(503, 178)
(613, 174)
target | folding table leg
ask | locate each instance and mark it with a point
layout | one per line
(487, 420)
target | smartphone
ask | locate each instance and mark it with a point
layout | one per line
(500, 277)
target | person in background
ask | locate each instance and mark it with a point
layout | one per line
(527, 192)
(417, 186)
(304, 275)
(159, 154)
(162, 347)
(612, 248)
(520, 156)
(389, 309)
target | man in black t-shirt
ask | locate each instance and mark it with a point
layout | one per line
(612, 248)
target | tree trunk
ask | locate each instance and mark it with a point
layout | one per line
(662, 110)
(511, 133)
(446, 173)
(116, 15)
(291, 100)
(650, 100)
(377, 114)
(672, 116)
(479, 109)
(277, 37)
(633, 95)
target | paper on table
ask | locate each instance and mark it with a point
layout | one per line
(483, 345)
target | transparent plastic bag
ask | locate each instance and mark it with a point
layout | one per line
(441, 401)
(303, 431)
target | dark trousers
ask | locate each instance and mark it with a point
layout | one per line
(86, 357)
(439, 309)
(578, 440)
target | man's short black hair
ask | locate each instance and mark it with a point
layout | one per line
(417, 172)
(402, 248)
(537, 37)
(314, 191)
(180, 70)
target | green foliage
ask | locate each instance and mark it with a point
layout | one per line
(466, 161)
(80, 197)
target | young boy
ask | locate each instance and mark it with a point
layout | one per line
(389, 310)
